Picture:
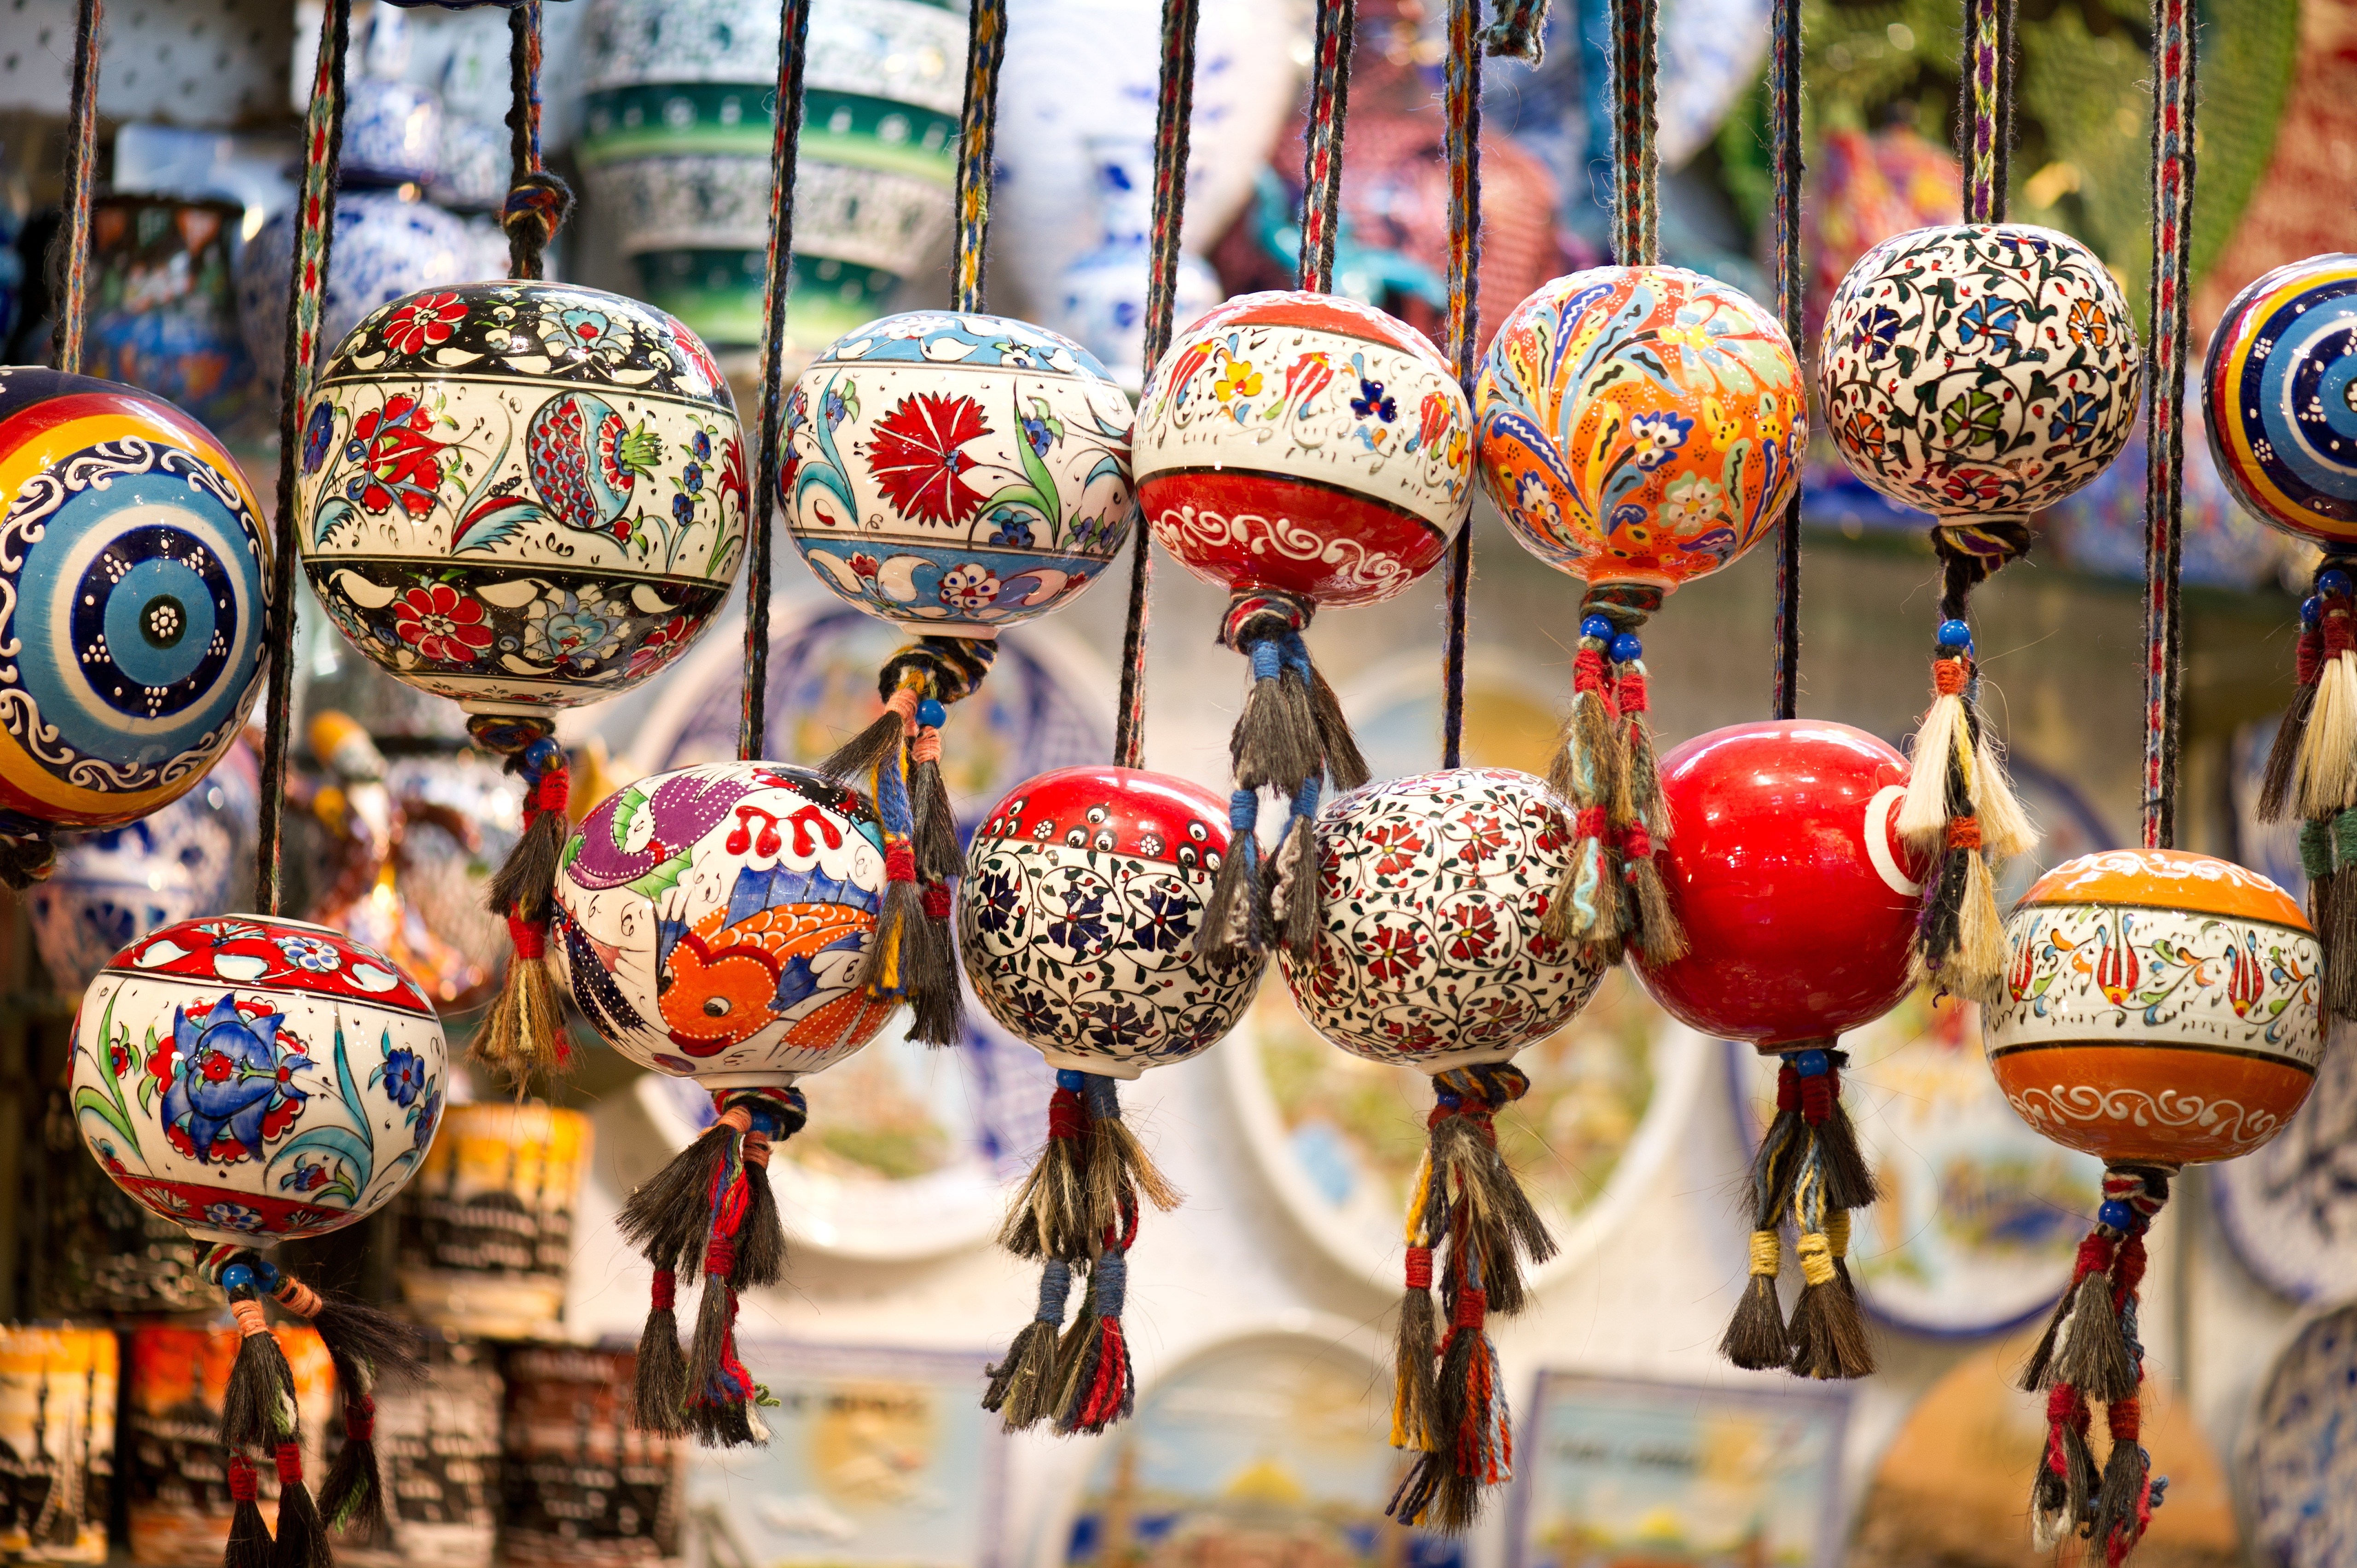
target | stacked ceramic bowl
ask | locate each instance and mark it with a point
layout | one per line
(676, 139)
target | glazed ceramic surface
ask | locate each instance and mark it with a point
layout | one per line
(164, 308)
(956, 474)
(709, 921)
(522, 496)
(2282, 424)
(135, 573)
(257, 1081)
(2163, 1007)
(1979, 371)
(1787, 870)
(1078, 915)
(1101, 296)
(393, 132)
(2302, 1469)
(1307, 444)
(1640, 425)
(1433, 953)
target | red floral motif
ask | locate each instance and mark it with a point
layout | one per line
(398, 460)
(442, 624)
(864, 566)
(1469, 929)
(1972, 485)
(662, 645)
(917, 457)
(1401, 847)
(1436, 418)
(1308, 376)
(1485, 836)
(424, 321)
(1391, 953)
(693, 351)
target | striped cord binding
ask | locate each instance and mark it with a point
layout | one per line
(1784, 116)
(1321, 162)
(538, 202)
(81, 173)
(314, 228)
(1635, 154)
(1987, 107)
(1462, 104)
(785, 158)
(1173, 110)
(2174, 52)
(985, 51)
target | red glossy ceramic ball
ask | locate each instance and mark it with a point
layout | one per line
(1785, 866)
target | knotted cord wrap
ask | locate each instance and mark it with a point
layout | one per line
(1792, 287)
(1810, 1171)
(2173, 101)
(1322, 156)
(785, 160)
(1636, 150)
(315, 232)
(1471, 1228)
(985, 51)
(70, 280)
(538, 202)
(1605, 769)
(2090, 1355)
(710, 1212)
(1077, 1212)
(2311, 771)
(523, 1034)
(1290, 738)
(1517, 33)
(1986, 89)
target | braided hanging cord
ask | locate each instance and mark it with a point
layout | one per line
(314, 230)
(72, 248)
(538, 202)
(1988, 91)
(985, 51)
(1636, 150)
(2164, 490)
(785, 156)
(1462, 102)
(1784, 115)
(1322, 159)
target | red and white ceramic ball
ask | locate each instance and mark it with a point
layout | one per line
(1433, 952)
(1306, 443)
(1078, 915)
(1786, 869)
(710, 921)
(2161, 1007)
(257, 1080)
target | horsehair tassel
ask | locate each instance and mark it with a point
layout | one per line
(1812, 1161)
(259, 1412)
(1024, 1380)
(1050, 1217)
(743, 1247)
(1587, 906)
(1119, 1167)
(1960, 939)
(523, 1036)
(1756, 1339)
(2336, 905)
(1642, 826)
(1493, 1218)
(1097, 1383)
(1276, 744)
(370, 1347)
(248, 1535)
(659, 1384)
(1413, 1392)
(883, 968)
(2283, 755)
(302, 1540)
(1923, 813)
(2328, 746)
(1471, 1441)
(2063, 1491)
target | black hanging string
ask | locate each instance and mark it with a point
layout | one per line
(538, 202)
(71, 276)
(1462, 95)
(1784, 113)
(785, 154)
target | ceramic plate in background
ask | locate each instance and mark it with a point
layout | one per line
(2300, 1466)
(2289, 1208)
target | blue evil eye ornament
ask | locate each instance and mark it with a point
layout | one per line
(2276, 387)
(257, 1080)
(136, 571)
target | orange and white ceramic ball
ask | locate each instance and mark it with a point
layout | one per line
(2162, 1007)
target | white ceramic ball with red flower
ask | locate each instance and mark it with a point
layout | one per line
(1432, 948)
(257, 1080)
(1079, 914)
(955, 474)
(522, 496)
(1308, 445)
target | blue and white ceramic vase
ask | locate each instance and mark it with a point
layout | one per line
(392, 132)
(1101, 297)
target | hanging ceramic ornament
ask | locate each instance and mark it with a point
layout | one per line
(2161, 1009)
(1078, 920)
(1300, 451)
(720, 924)
(952, 475)
(137, 601)
(2286, 444)
(1640, 427)
(1433, 949)
(1790, 877)
(1980, 372)
(522, 497)
(253, 1081)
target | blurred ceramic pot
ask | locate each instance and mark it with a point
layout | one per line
(392, 132)
(163, 311)
(1101, 295)
(476, 166)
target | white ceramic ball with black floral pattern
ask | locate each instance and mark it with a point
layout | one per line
(1979, 371)
(1078, 917)
(1432, 948)
(522, 496)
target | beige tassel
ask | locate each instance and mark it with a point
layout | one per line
(1977, 970)
(2330, 747)
(1924, 814)
(2005, 828)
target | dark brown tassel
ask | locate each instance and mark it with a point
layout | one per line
(522, 1035)
(1053, 1215)
(1501, 1231)
(302, 1540)
(249, 1537)
(1119, 1169)
(860, 756)
(2283, 757)
(2122, 1510)
(1233, 911)
(1415, 1389)
(26, 860)
(2093, 1357)
(659, 1384)
(1346, 767)
(1755, 1339)
(1023, 1384)
(1827, 1334)
(1274, 741)
(1293, 888)
(351, 1499)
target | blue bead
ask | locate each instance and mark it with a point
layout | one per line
(2332, 580)
(541, 754)
(2311, 610)
(1810, 1063)
(1955, 634)
(1066, 1078)
(932, 714)
(1596, 627)
(1625, 648)
(237, 1277)
(2116, 1215)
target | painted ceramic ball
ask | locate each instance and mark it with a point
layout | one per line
(2161, 1007)
(1307, 444)
(136, 569)
(709, 921)
(1641, 425)
(257, 1080)
(2277, 380)
(522, 496)
(1433, 952)
(1797, 898)
(1078, 915)
(1979, 371)
(955, 474)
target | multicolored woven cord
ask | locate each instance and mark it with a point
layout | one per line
(1321, 162)
(315, 231)
(1785, 127)
(81, 173)
(1636, 153)
(538, 202)
(785, 158)
(986, 49)
(2172, 234)
(1173, 110)
(1461, 101)
(1987, 107)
